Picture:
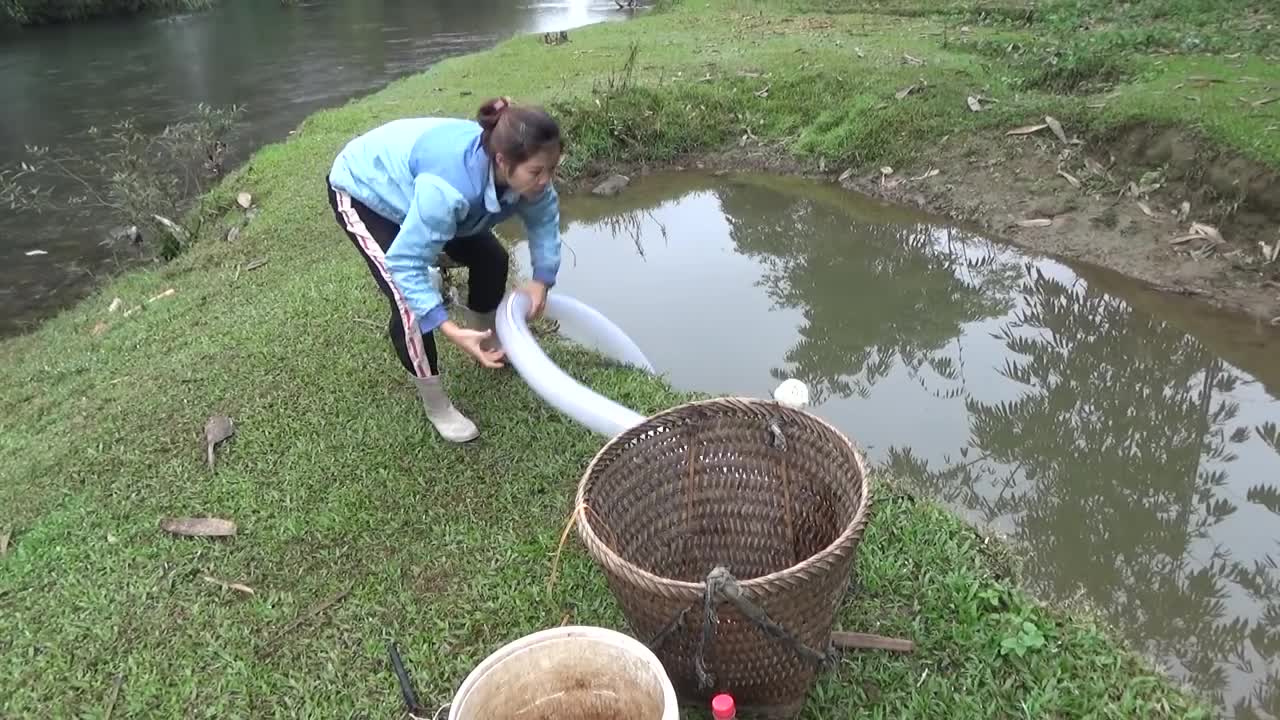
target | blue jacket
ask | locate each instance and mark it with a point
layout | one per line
(433, 178)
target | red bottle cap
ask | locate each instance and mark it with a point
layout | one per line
(723, 708)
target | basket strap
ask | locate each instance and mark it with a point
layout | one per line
(722, 586)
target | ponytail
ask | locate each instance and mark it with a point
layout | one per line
(518, 133)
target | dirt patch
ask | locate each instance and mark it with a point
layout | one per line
(1119, 202)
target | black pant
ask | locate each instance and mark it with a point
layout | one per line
(482, 255)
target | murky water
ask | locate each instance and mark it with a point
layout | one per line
(1135, 463)
(280, 63)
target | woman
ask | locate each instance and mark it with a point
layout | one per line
(408, 190)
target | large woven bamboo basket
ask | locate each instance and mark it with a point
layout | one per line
(772, 495)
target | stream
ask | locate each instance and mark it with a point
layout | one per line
(280, 63)
(1127, 442)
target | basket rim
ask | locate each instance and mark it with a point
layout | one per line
(604, 553)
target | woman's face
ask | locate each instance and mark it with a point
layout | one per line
(531, 177)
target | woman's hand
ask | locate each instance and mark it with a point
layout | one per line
(537, 293)
(471, 343)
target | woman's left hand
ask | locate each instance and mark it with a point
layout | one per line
(537, 293)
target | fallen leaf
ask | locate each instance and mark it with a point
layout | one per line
(1070, 178)
(233, 233)
(115, 305)
(1035, 223)
(763, 92)
(904, 92)
(98, 329)
(34, 253)
(846, 175)
(859, 52)
(1026, 130)
(167, 293)
(4, 541)
(1146, 209)
(198, 527)
(1184, 211)
(933, 172)
(217, 429)
(1268, 254)
(1265, 101)
(1056, 127)
(255, 264)
(132, 310)
(1179, 86)
(1181, 239)
(229, 585)
(245, 200)
(1207, 231)
(911, 60)
(1095, 167)
(974, 105)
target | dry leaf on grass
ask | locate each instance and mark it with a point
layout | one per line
(1075, 183)
(244, 200)
(909, 60)
(1207, 231)
(845, 175)
(933, 172)
(904, 92)
(255, 264)
(1035, 223)
(115, 305)
(198, 527)
(229, 585)
(1146, 209)
(4, 541)
(233, 233)
(763, 92)
(974, 105)
(217, 429)
(1056, 127)
(165, 294)
(1183, 239)
(99, 328)
(1027, 130)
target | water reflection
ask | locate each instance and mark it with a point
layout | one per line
(1132, 464)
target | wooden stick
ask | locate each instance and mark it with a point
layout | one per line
(267, 650)
(115, 694)
(866, 641)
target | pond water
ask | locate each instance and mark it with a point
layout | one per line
(1128, 442)
(280, 63)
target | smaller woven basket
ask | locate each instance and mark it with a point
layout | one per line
(772, 495)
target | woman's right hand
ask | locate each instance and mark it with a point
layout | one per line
(471, 342)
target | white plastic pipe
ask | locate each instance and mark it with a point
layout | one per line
(596, 412)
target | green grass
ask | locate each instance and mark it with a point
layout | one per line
(337, 484)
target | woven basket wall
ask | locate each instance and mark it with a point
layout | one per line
(776, 495)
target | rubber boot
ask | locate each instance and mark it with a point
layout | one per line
(451, 424)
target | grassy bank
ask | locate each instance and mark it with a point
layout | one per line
(338, 487)
(47, 12)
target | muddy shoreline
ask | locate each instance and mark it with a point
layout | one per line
(1080, 201)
